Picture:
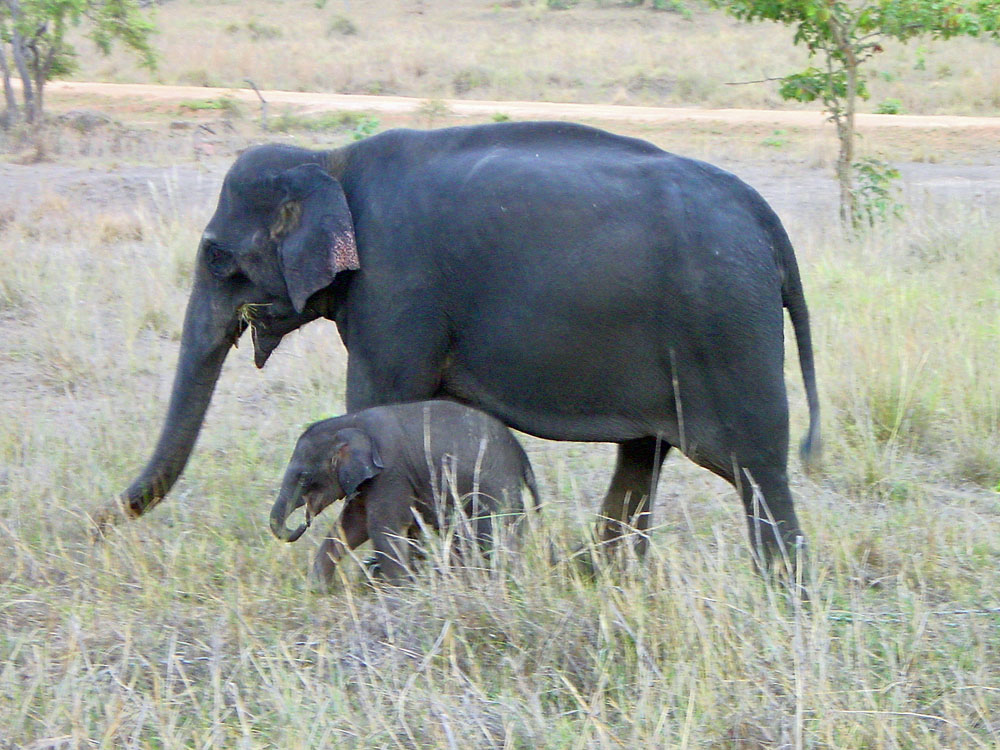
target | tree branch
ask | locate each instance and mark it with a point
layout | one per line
(263, 103)
(747, 83)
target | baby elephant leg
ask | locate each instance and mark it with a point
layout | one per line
(477, 533)
(389, 524)
(350, 531)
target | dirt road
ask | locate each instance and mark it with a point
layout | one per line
(321, 102)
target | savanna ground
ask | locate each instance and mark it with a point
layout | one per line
(195, 628)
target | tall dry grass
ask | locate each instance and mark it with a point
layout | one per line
(195, 628)
(592, 52)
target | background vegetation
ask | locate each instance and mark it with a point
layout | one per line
(195, 628)
(591, 51)
(35, 35)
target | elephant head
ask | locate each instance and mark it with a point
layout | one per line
(324, 468)
(281, 232)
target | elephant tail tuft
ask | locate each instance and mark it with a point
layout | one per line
(811, 448)
(528, 475)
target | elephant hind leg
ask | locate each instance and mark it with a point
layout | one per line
(474, 536)
(744, 440)
(775, 534)
(774, 529)
(628, 504)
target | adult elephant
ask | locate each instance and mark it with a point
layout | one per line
(576, 284)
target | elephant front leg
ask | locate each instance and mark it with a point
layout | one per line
(390, 533)
(350, 531)
(628, 503)
(392, 548)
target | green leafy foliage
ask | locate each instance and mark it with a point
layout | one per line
(674, 6)
(34, 33)
(777, 139)
(812, 84)
(360, 124)
(890, 106)
(365, 126)
(220, 104)
(341, 25)
(875, 191)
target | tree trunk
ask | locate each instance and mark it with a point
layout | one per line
(27, 88)
(845, 157)
(845, 161)
(41, 74)
(21, 62)
(8, 88)
(844, 118)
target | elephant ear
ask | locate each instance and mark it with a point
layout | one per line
(355, 459)
(314, 230)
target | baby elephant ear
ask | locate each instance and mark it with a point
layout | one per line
(314, 230)
(355, 459)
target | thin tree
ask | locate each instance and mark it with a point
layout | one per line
(35, 33)
(842, 35)
(10, 99)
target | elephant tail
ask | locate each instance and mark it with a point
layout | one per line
(528, 474)
(793, 298)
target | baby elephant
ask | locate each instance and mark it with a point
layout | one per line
(389, 461)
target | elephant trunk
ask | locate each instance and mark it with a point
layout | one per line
(288, 500)
(205, 342)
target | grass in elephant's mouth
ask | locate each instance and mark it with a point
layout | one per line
(250, 312)
(247, 316)
(194, 627)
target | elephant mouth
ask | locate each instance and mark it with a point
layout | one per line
(263, 344)
(267, 329)
(266, 332)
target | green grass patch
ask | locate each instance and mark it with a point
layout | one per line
(360, 124)
(224, 104)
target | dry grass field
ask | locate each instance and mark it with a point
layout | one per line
(594, 51)
(195, 628)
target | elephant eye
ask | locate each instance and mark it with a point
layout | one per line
(220, 261)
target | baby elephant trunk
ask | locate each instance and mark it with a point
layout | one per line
(288, 500)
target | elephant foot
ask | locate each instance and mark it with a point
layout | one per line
(319, 587)
(372, 565)
(786, 566)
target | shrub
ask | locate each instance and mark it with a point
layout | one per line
(890, 107)
(341, 25)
